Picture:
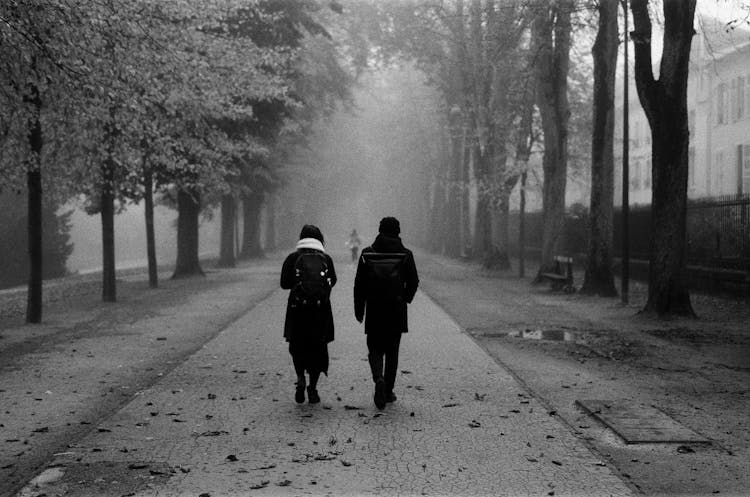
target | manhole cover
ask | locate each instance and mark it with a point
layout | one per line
(639, 423)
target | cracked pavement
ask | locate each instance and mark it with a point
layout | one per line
(224, 422)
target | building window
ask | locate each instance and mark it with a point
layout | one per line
(691, 123)
(635, 181)
(720, 91)
(691, 166)
(744, 186)
(732, 111)
(740, 109)
(717, 177)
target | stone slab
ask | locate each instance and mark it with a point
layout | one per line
(638, 423)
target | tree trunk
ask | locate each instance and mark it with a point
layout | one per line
(34, 219)
(664, 102)
(271, 202)
(599, 279)
(522, 228)
(252, 203)
(435, 235)
(500, 258)
(551, 33)
(189, 208)
(452, 212)
(107, 213)
(482, 246)
(466, 239)
(148, 198)
(524, 142)
(228, 214)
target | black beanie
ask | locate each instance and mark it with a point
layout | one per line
(389, 226)
(311, 231)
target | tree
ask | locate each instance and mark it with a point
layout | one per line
(37, 66)
(599, 279)
(226, 245)
(664, 101)
(551, 32)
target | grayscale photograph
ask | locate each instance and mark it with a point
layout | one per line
(337, 248)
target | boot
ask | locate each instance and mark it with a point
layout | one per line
(299, 394)
(312, 395)
(380, 393)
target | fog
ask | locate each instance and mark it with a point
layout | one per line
(367, 162)
(130, 238)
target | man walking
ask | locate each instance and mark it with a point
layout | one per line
(385, 284)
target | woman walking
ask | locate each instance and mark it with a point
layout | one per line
(309, 275)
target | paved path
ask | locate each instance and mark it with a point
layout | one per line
(225, 423)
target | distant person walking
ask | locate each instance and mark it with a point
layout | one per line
(353, 244)
(308, 272)
(384, 285)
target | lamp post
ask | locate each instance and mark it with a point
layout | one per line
(625, 279)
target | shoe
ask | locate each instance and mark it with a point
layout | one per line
(390, 397)
(299, 394)
(380, 393)
(312, 395)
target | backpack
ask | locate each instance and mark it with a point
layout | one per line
(384, 276)
(313, 286)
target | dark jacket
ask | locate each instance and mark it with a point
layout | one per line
(301, 322)
(380, 317)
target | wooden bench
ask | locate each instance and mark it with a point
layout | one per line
(562, 277)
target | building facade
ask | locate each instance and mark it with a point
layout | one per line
(718, 117)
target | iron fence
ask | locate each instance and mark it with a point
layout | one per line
(718, 231)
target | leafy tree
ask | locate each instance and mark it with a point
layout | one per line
(36, 67)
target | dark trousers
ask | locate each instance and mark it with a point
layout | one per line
(383, 357)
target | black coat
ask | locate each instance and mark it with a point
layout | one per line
(299, 322)
(385, 318)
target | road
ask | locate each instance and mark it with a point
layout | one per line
(223, 421)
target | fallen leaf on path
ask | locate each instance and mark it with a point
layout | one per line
(232, 458)
(352, 408)
(474, 424)
(684, 449)
(269, 466)
(531, 459)
(324, 457)
(557, 463)
(260, 485)
(346, 463)
(43, 429)
(453, 404)
(479, 397)
(212, 433)
(137, 465)
(284, 483)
